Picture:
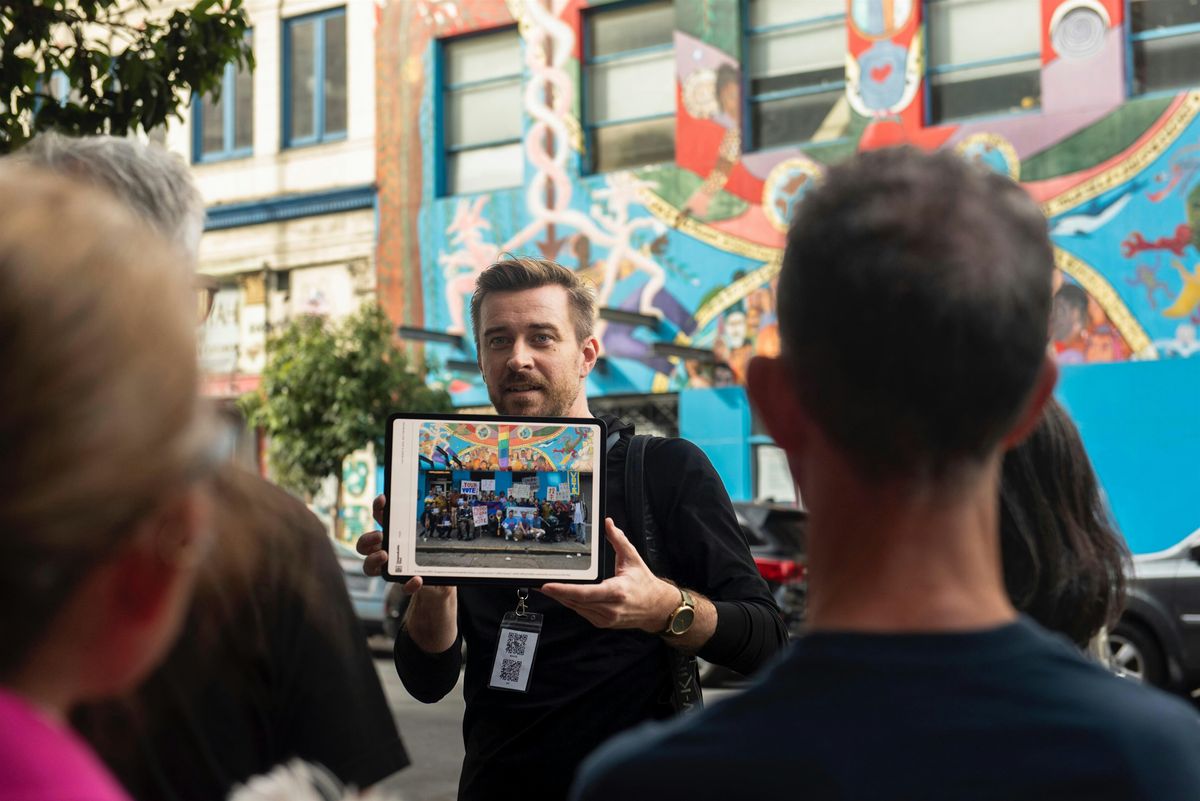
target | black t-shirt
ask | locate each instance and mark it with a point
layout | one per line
(587, 683)
(271, 664)
(1008, 714)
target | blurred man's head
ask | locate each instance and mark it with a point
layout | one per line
(533, 323)
(914, 302)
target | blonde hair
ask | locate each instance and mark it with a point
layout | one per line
(520, 273)
(98, 395)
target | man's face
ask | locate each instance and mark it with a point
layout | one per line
(531, 361)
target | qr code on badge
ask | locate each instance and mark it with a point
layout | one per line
(515, 645)
(510, 671)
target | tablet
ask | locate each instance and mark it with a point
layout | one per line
(479, 499)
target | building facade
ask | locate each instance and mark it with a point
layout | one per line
(660, 147)
(285, 159)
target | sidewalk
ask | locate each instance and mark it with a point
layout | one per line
(489, 544)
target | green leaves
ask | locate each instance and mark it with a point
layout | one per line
(327, 391)
(128, 66)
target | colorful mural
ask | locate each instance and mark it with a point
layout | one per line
(696, 243)
(484, 446)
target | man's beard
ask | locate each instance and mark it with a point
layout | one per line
(546, 399)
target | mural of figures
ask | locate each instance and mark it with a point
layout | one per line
(695, 243)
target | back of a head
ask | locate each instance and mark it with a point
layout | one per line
(153, 182)
(1064, 562)
(98, 394)
(914, 303)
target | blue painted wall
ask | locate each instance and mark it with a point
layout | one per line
(718, 420)
(1140, 422)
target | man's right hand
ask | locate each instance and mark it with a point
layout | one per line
(431, 620)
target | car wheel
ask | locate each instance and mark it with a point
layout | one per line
(1135, 654)
(395, 604)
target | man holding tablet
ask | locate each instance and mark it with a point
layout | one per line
(602, 652)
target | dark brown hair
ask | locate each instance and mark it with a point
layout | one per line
(1064, 562)
(914, 302)
(520, 273)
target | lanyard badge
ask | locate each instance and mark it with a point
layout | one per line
(519, 633)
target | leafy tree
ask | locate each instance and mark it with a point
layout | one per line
(327, 390)
(110, 66)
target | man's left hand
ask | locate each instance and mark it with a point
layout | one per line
(634, 598)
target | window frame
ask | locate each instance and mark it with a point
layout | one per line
(945, 69)
(1132, 39)
(587, 60)
(749, 99)
(443, 89)
(228, 119)
(319, 134)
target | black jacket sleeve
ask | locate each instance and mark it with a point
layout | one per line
(707, 552)
(427, 677)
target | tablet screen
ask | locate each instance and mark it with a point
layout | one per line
(493, 499)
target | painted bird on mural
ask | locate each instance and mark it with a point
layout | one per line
(1093, 216)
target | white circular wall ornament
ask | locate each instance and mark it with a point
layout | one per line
(1078, 29)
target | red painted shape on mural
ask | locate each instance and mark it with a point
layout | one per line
(892, 132)
(1136, 243)
(880, 74)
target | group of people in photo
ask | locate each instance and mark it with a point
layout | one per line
(454, 515)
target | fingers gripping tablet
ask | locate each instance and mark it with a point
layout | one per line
(483, 499)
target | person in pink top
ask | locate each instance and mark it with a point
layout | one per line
(103, 470)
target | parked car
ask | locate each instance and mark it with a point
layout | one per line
(777, 538)
(378, 604)
(1158, 637)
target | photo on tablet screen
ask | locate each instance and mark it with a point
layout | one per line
(479, 499)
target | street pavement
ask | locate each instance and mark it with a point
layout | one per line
(433, 736)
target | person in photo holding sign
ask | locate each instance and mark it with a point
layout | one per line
(608, 655)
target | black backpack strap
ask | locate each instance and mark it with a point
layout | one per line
(642, 527)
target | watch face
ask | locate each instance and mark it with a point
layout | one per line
(682, 621)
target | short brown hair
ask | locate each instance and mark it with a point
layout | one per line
(914, 306)
(520, 273)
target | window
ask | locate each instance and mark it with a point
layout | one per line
(1165, 40)
(224, 128)
(797, 58)
(314, 78)
(629, 108)
(984, 57)
(481, 112)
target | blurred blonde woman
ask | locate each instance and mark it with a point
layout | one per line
(103, 498)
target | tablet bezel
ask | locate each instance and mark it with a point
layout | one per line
(599, 546)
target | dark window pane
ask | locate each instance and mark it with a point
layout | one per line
(302, 37)
(798, 80)
(633, 144)
(1166, 63)
(632, 28)
(212, 128)
(791, 119)
(1147, 15)
(243, 119)
(335, 74)
(961, 94)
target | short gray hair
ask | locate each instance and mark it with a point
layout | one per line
(153, 182)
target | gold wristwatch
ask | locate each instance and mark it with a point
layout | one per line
(684, 615)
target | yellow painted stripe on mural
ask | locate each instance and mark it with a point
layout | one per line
(1126, 169)
(736, 291)
(1098, 287)
(705, 233)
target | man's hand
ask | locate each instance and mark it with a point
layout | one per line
(431, 615)
(634, 598)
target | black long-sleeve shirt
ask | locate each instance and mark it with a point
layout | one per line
(587, 683)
